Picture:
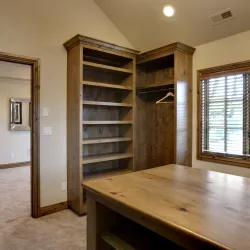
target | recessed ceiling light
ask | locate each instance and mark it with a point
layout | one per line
(168, 10)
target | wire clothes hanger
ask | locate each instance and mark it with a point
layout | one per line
(169, 94)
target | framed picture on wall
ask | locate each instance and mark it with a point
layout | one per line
(17, 113)
(20, 114)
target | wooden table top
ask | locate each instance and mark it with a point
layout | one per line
(206, 204)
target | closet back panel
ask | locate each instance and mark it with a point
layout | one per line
(105, 113)
(100, 131)
(104, 77)
(102, 167)
(156, 77)
(104, 131)
(106, 148)
(155, 131)
(101, 57)
(160, 134)
(91, 93)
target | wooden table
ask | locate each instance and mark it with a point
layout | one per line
(194, 208)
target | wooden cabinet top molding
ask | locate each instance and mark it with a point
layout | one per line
(164, 51)
(98, 44)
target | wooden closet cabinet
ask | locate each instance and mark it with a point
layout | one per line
(164, 130)
(100, 113)
(111, 129)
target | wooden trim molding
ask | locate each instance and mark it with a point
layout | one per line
(164, 51)
(90, 42)
(224, 70)
(15, 165)
(233, 68)
(35, 125)
(53, 208)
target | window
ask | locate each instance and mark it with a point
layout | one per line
(224, 114)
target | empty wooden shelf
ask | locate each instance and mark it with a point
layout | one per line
(116, 242)
(100, 113)
(106, 122)
(106, 140)
(105, 67)
(150, 86)
(102, 158)
(107, 85)
(114, 104)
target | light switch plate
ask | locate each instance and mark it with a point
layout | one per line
(45, 111)
(47, 131)
(64, 186)
(12, 155)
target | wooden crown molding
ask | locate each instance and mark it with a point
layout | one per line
(225, 69)
(8, 57)
(88, 41)
(164, 51)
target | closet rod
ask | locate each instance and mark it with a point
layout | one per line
(151, 91)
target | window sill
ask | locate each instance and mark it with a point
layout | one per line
(225, 160)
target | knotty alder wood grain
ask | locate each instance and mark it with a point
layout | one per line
(210, 208)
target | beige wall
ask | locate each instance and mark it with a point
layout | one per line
(14, 82)
(38, 29)
(228, 50)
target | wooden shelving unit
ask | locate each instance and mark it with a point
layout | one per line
(100, 113)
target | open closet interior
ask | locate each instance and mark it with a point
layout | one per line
(164, 107)
(100, 113)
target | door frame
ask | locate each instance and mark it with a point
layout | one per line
(35, 125)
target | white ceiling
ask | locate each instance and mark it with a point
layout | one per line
(144, 25)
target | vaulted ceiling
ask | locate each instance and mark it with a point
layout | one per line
(144, 25)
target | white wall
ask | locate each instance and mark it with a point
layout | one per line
(39, 28)
(14, 82)
(228, 50)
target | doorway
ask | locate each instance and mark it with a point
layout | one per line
(34, 123)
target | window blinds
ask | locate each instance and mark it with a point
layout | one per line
(226, 115)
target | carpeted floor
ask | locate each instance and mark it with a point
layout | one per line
(63, 230)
